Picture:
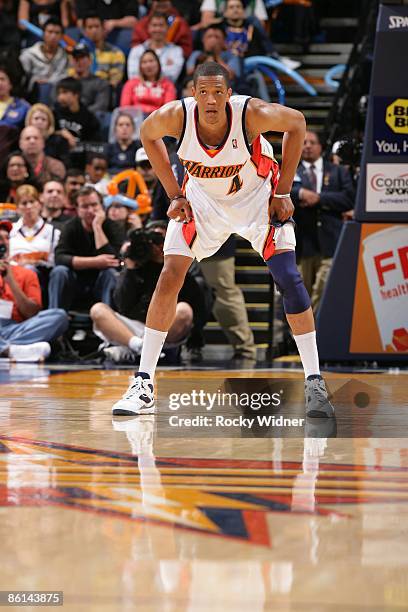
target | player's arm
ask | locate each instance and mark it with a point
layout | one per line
(166, 121)
(263, 117)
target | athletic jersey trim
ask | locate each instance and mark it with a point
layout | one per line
(183, 131)
(243, 119)
(213, 152)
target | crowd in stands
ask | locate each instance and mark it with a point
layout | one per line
(77, 77)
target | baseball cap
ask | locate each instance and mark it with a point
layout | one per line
(141, 156)
(80, 50)
(5, 224)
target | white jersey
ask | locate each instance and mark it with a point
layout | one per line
(229, 189)
(235, 169)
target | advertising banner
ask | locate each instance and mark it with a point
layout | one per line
(387, 188)
(380, 314)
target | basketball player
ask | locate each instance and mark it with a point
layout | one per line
(232, 185)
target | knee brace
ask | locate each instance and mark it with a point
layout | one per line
(289, 282)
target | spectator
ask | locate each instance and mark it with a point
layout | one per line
(124, 215)
(95, 92)
(53, 200)
(74, 180)
(149, 91)
(170, 55)
(121, 153)
(245, 37)
(32, 240)
(45, 62)
(38, 12)
(123, 327)
(96, 169)
(87, 255)
(16, 171)
(321, 192)
(73, 120)
(25, 332)
(108, 60)
(44, 167)
(210, 9)
(41, 117)
(12, 110)
(144, 166)
(179, 31)
(213, 40)
(119, 17)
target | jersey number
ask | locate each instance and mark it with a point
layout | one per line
(236, 185)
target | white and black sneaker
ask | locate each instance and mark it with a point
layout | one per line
(138, 399)
(318, 404)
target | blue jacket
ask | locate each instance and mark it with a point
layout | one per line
(15, 113)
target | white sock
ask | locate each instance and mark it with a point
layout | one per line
(307, 347)
(153, 341)
(135, 344)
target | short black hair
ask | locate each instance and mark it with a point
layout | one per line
(53, 21)
(209, 69)
(70, 84)
(157, 15)
(91, 156)
(93, 16)
(214, 26)
(86, 190)
(73, 172)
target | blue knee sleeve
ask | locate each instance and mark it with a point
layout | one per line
(289, 282)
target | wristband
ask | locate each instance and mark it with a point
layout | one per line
(177, 197)
(281, 196)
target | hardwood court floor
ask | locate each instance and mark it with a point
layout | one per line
(125, 517)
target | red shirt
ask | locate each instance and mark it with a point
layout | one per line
(179, 32)
(147, 96)
(29, 284)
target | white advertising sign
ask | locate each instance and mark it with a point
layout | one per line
(387, 188)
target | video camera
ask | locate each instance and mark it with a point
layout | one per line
(141, 242)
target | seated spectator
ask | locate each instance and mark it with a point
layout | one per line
(108, 60)
(87, 255)
(44, 167)
(179, 30)
(119, 17)
(25, 332)
(124, 215)
(95, 92)
(15, 171)
(46, 62)
(123, 326)
(149, 91)
(72, 119)
(96, 169)
(214, 48)
(121, 153)
(32, 240)
(245, 37)
(170, 55)
(41, 117)
(12, 110)
(74, 180)
(53, 200)
(211, 9)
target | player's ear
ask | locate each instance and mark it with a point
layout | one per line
(193, 91)
(229, 92)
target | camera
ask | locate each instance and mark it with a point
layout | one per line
(141, 243)
(3, 250)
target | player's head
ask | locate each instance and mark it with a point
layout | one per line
(211, 90)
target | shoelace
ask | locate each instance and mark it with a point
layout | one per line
(138, 385)
(320, 392)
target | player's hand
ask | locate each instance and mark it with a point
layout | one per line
(283, 209)
(180, 210)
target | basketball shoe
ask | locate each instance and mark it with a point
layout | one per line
(317, 401)
(138, 399)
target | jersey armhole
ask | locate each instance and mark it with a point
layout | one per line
(243, 117)
(183, 104)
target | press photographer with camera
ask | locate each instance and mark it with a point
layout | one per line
(123, 326)
(25, 329)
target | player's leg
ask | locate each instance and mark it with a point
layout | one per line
(297, 306)
(139, 398)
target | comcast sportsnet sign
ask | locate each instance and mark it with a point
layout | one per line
(387, 188)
